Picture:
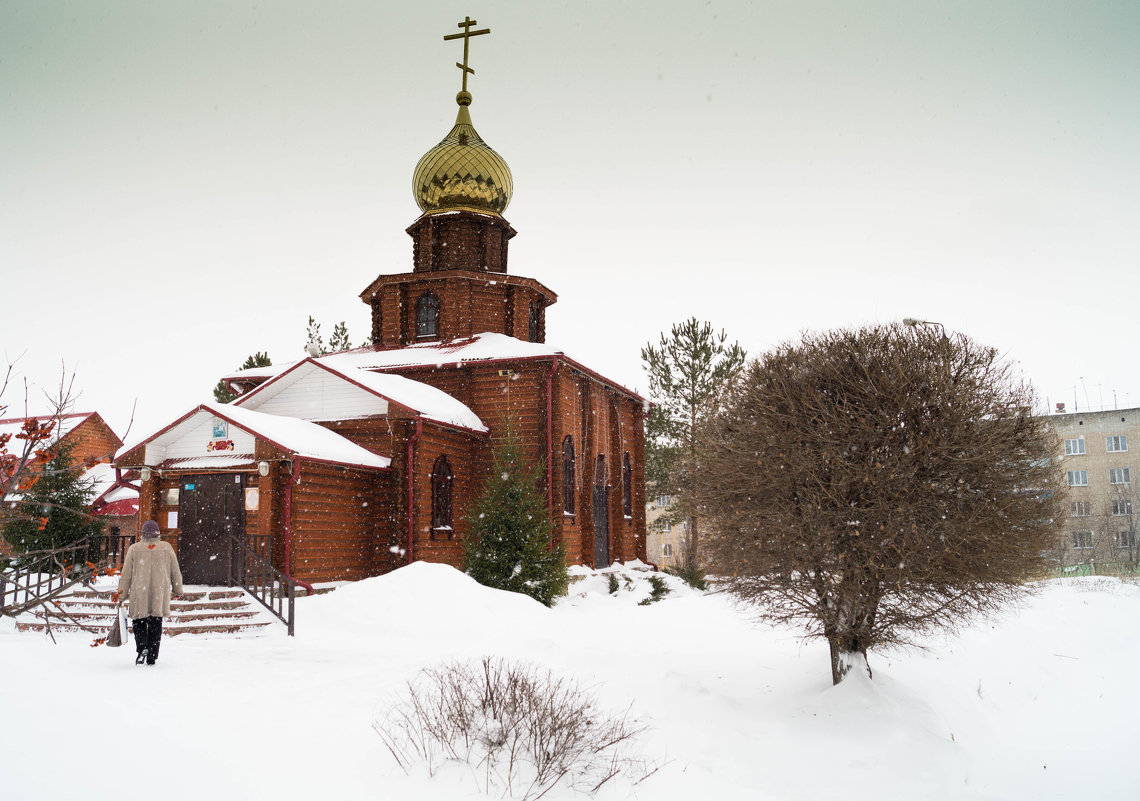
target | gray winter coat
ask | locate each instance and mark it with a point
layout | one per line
(150, 574)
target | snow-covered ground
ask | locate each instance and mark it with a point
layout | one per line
(1040, 704)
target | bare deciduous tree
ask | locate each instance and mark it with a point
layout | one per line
(877, 484)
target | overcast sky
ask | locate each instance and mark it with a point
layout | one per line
(184, 183)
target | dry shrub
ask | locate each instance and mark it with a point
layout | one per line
(522, 730)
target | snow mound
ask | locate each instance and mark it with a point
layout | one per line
(419, 596)
(627, 584)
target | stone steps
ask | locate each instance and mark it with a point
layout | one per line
(199, 612)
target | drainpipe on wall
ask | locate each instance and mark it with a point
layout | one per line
(293, 478)
(550, 445)
(411, 471)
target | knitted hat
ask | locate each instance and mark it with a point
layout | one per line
(150, 530)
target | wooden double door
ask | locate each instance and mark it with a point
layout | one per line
(211, 511)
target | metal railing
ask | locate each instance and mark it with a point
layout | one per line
(253, 571)
(37, 577)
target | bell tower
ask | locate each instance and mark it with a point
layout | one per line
(459, 285)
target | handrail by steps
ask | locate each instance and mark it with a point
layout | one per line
(256, 575)
(36, 578)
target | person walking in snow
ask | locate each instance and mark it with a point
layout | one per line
(150, 574)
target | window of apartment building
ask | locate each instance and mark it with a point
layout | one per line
(663, 501)
(668, 528)
(1117, 444)
(1121, 507)
(1079, 509)
(1118, 475)
(1126, 539)
(1082, 540)
(666, 549)
(1077, 478)
(1075, 447)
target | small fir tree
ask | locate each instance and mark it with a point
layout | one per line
(509, 546)
(222, 393)
(52, 511)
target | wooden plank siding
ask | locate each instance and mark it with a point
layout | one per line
(342, 522)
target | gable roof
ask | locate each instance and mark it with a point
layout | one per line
(289, 434)
(426, 401)
(66, 424)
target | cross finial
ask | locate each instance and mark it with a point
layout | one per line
(466, 37)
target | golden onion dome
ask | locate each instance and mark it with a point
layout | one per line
(462, 171)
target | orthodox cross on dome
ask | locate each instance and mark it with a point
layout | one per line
(466, 37)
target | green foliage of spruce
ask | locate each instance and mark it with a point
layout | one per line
(658, 590)
(61, 494)
(694, 577)
(509, 544)
(222, 393)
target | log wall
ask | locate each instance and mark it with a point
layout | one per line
(341, 522)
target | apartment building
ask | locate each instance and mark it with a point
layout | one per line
(1099, 460)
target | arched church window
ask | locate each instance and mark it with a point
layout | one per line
(442, 480)
(626, 486)
(427, 316)
(568, 475)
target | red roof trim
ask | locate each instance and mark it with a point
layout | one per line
(120, 508)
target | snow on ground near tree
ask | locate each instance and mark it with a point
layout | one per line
(1040, 704)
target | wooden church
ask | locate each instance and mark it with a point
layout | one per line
(351, 464)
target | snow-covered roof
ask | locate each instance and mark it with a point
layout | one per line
(430, 402)
(67, 423)
(102, 477)
(481, 347)
(299, 437)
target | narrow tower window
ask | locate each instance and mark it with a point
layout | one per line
(532, 330)
(427, 316)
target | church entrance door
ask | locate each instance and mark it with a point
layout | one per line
(601, 515)
(210, 509)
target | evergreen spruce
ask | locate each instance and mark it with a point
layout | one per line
(52, 512)
(509, 545)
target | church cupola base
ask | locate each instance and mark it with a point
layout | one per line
(460, 240)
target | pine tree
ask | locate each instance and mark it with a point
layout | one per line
(339, 340)
(222, 393)
(315, 343)
(509, 545)
(52, 511)
(686, 371)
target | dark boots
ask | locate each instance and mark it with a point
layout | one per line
(148, 633)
